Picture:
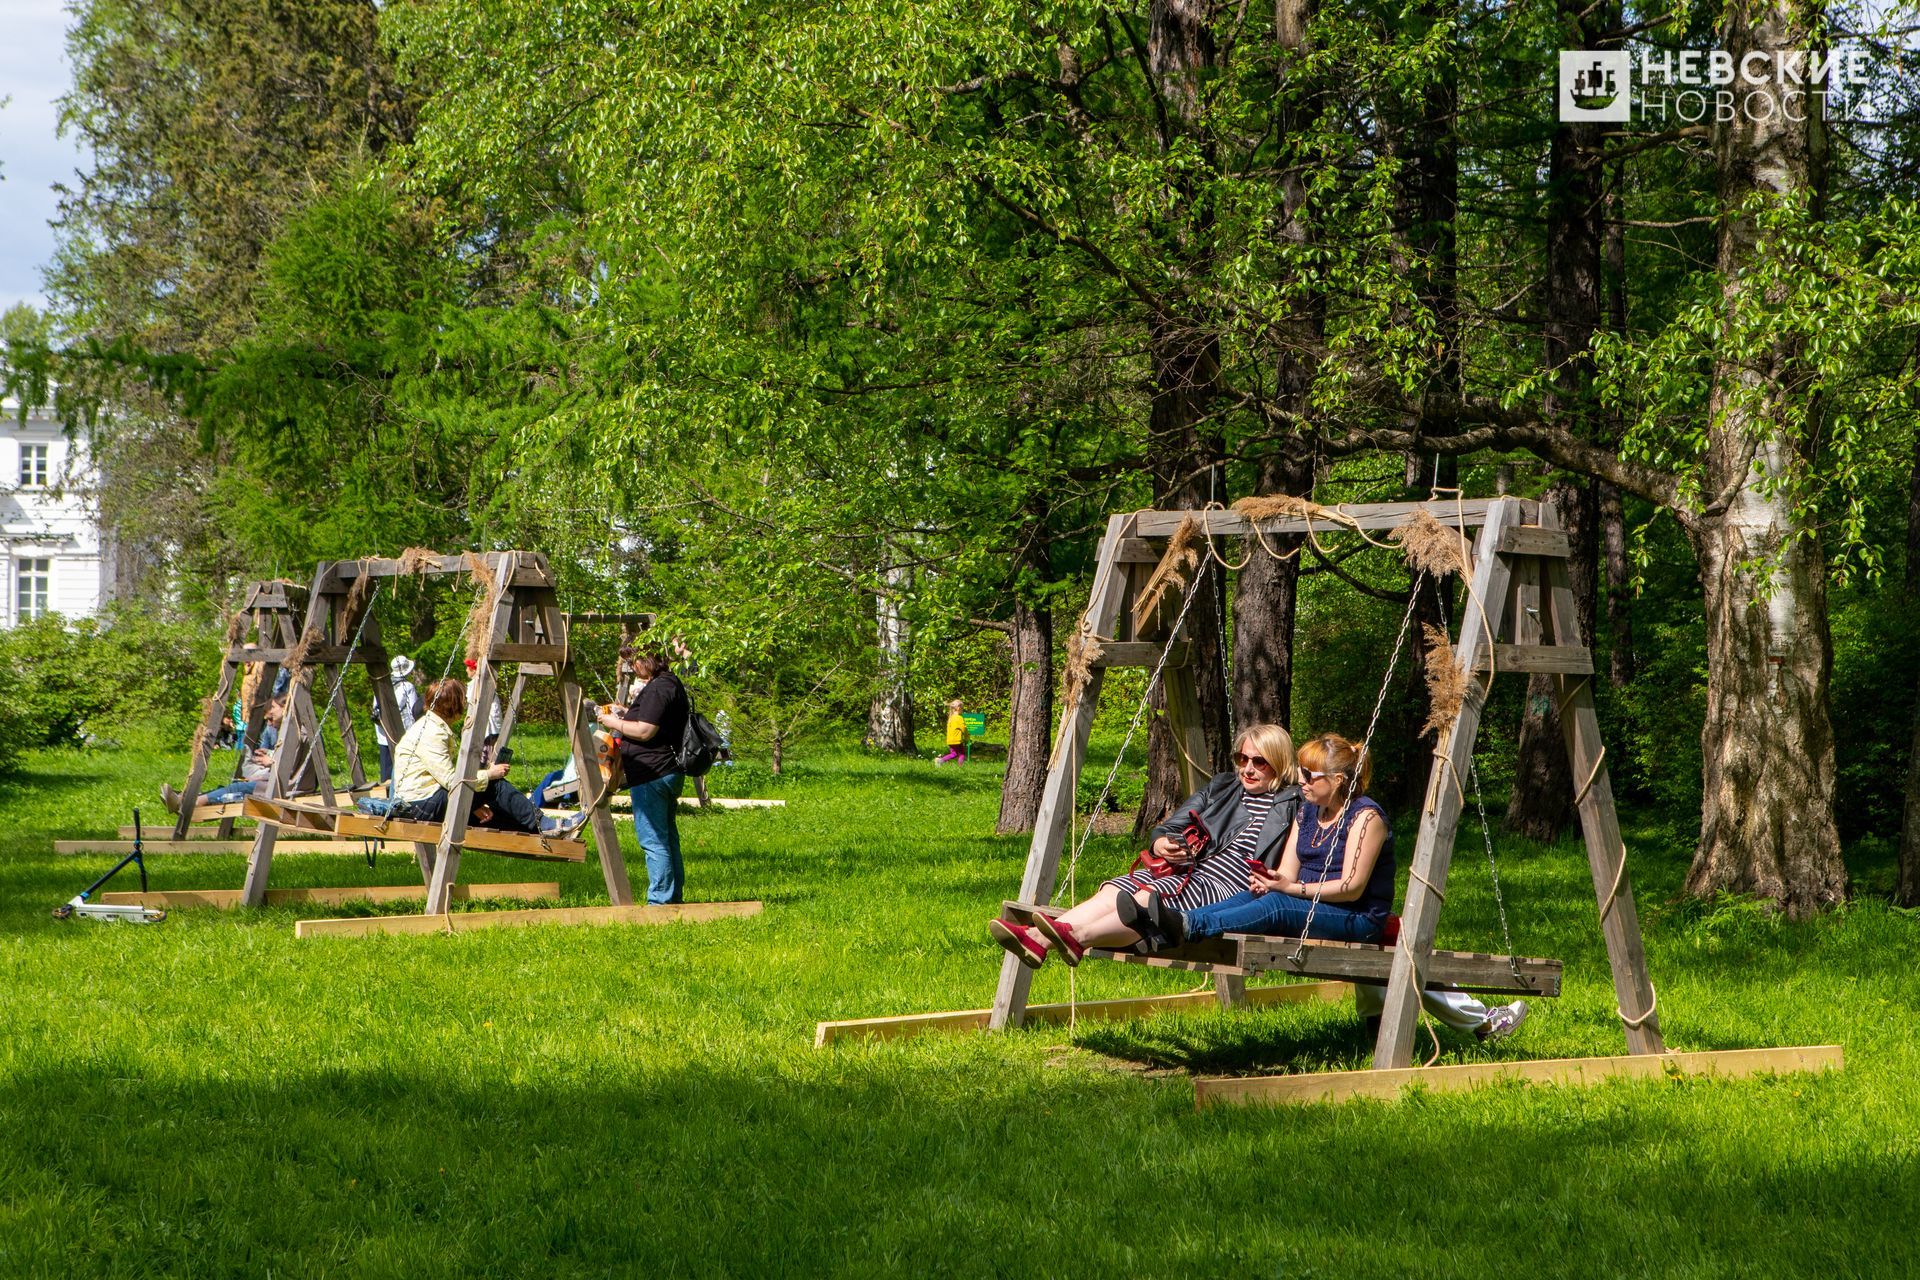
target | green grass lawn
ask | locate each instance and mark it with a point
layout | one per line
(212, 1097)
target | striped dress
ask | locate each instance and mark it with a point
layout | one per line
(1218, 875)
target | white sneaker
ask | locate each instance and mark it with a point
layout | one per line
(562, 828)
(1502, 1021)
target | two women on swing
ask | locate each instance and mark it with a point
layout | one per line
(1287, 844)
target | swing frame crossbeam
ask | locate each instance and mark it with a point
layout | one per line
(523, 624)
(1523, 623)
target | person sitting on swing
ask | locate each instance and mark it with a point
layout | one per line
(1199, 856)
(426, 769)
(1334, 881)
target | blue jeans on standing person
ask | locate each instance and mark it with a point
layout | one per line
(656, 807)
(1285, 915)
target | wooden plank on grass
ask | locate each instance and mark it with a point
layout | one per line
(1338, 1086)
(226, 899)
(468, 921)
(123, 847)
(914, 1024)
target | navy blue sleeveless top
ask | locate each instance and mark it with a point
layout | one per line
(1323, 853)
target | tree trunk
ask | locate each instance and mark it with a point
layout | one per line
(1767, 823)
(1907, 892)
(1541, 805)
(1267, 590)
(890, 715)
(1266, 593)
(1030, 735)
(1613, 543)
(1183, 353)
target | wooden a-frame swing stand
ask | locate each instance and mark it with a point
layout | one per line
(522, 623)
(1520, 621)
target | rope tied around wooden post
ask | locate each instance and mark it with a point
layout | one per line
(1637, 1021)
(1613, 894)
(1592, 775)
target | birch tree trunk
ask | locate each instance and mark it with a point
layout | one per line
(1767, 822)
(890, 714)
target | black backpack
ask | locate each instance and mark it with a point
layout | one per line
(701, 745)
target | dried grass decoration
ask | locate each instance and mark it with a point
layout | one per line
(1269, 506)
(1084, 648)
(1432, 547)
(1447, 682)
(1181, 559)
(415, 561)
(480, 616)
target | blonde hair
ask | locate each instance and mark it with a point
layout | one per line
(1274, 745)
(1331, 753)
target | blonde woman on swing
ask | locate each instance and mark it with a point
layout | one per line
(1199, 855)
(1334, 881)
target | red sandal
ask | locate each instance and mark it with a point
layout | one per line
(1021, 940)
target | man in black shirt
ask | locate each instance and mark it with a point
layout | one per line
(650, 733)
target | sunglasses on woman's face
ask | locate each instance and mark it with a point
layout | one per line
(1311, 775)
(1242, 760)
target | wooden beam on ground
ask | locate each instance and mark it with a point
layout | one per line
(328, 845)
(1364, 515)
(512, 844)
(468, 921)
(914, 1024)
(1339, 1086)
(212, 832)
(226, 899)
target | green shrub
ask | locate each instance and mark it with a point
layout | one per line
(99, 675)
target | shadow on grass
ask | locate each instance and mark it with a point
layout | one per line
(717, 1168)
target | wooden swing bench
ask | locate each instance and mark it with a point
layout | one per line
(1239, 955)
(510, 844)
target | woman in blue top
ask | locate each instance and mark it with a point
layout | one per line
(1340, 852)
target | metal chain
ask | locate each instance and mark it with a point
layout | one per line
(1366, 745)
(1133, 726)
(1493, 867)
(339, 677)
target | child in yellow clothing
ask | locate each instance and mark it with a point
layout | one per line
(956, 735)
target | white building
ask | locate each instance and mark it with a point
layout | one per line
(50, 543)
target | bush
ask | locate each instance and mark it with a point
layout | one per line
(98, 675)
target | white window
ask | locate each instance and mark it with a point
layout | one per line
(33, 466)
(31, 581)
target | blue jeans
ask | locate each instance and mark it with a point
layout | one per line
(540, 792)
(1283, 914)
(656, 805)
(231, 793)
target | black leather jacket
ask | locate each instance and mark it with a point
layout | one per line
(1219, 805)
